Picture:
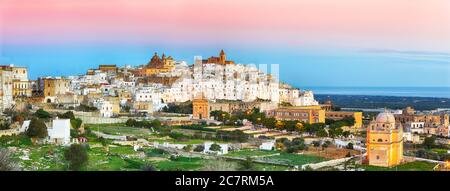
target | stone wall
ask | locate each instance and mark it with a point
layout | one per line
(9, 132)
(101, 120)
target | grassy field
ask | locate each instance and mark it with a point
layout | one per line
(440, 151)
(277, 156)
(120, 129)
(170, 140)
(411, 166)
(118, 158)
(180, 164)
(294, 159)
(45, 157)
(251, 153)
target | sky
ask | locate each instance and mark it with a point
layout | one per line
(315, 42)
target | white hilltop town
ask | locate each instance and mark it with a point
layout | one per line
(150, 87)
(175, 115)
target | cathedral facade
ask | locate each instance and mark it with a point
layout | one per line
(158, 65)
(384, 141)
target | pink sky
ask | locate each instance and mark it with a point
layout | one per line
(395, 24)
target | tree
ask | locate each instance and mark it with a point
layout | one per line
(37, 129)
(215, 147)
(76, 156)
(156, 123)
(199, 148)
(220, 115)
(5, 125)
(316, 143)
(346, 134)
(6, 164)
(325, 145)
(290, 125)
(279, 125)
(102, 141)
(429, 142)
(269, 122)
(86, 108)
(300, 127)
(185, 108)
(350, 146)
(76, 123)
(130, 123)
(329, 121)
(149, 167)
(188, 148)
(295, 145)
(40, 113)
(67, 115)
(126, 108)
(335, 132)
(321, 133)
(247, 164)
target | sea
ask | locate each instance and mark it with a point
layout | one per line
(434, 92)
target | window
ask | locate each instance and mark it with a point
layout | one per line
(378, 157)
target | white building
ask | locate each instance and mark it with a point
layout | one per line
(223, 148)
(228, 82)
(268, 146)
(411, 137)
(415, 127)
(305, 99)
(59, 132)
(6, 88)
(151, 95)
(105, 107)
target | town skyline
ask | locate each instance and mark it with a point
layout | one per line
(140, 57)
(409, 37)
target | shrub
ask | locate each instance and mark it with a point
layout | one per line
(215, 147)
(67, 115)
(76, 123)
(40, 113)
(37, 129)
(350, 146)
(6, 163)
(149, 167)
(199, 148)
(76, 156)
(187, 148)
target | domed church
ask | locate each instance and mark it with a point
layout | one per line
(384, 141)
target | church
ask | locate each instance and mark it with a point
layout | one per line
(158, 65)
(384, 141)
(222, 59)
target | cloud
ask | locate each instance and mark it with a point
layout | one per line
(431, 57)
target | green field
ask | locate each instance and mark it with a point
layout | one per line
(180, 164)
(440, 151)
(411, 166)
(170, 140)
(294, 159)
(119, 158)
(251, 153)
(45, 157)
(277, 156)
(120, 129)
